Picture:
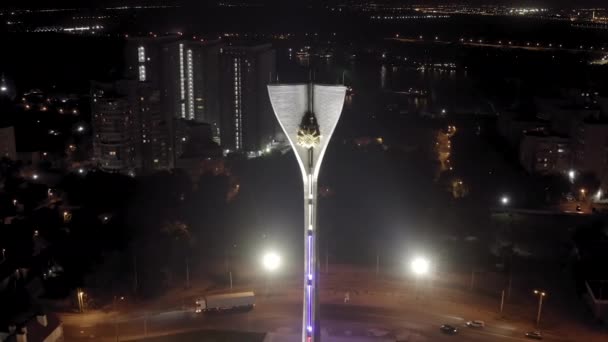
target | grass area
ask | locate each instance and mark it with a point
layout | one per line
(209, 336)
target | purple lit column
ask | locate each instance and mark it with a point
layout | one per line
(308, 114)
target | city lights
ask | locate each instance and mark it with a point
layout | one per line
(166, 169)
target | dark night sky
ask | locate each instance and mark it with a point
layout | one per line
(95, 3)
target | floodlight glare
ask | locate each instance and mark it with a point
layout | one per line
(420, 266)
(271, 261)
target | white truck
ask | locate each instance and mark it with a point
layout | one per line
(226, 301)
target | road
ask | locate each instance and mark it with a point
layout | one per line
(395, 311)
(531, 46)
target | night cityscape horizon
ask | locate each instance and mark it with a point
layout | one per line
(161, 177)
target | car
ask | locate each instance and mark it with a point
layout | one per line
(476, 324)
(536, 335)
(448, 329)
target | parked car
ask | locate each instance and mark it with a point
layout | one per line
(536, 335)
(476, 324)
(448, 329)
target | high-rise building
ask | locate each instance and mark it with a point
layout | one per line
(247, 120)
(194, 80)
(114, 145)
(186, 75)
(543, 153)
(590, 146)
(131, 134)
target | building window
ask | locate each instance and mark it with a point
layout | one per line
(141, 54)
(182, 80)
(190, 86)
(142, 73)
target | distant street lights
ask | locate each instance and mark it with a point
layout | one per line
(541, 295)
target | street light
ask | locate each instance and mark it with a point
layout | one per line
(81, 300)
(504, 200)
(541, 295)
(571, 175)
(271, 261)
(420, 266)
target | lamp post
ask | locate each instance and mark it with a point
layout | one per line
(505, 200)
(80, 295)
(308, 115)
(420, 267)
(502, 301)
(541, 295)
(571, 175)
(271, 261)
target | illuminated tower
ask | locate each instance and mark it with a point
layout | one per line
(308, 114)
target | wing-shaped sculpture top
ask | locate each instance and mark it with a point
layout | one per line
(291, 102)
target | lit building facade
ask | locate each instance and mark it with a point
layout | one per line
(185, 73)
(541, 153)
(308, 115)
(247, 123)
(131, 134)
(113, 130)
(193, 84)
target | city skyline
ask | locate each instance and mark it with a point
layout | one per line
(117, 3)
(147, 179)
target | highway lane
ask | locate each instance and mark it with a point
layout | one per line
(277, 314)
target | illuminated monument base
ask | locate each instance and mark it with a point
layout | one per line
(308, 114)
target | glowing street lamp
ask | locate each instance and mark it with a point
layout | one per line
(271, 261)
(80, 294)
(541, 295)
(420, 266)
(571, 175)
(504, 200)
